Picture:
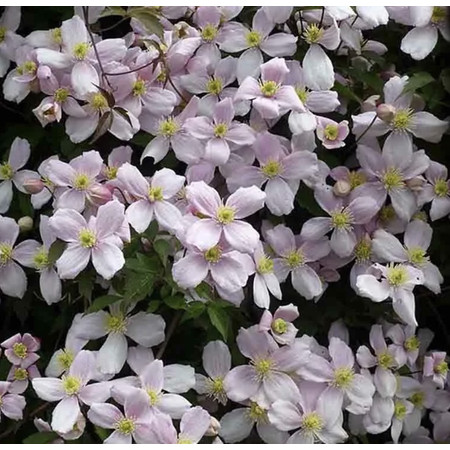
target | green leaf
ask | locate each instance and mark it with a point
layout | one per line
(148, 18)
(43, 437)
(204, 290)
(102, 302)
(220, 320)
(445, 79)
(86, 284)
(175, 302)
(56, 250)
(113, 11)
(162, 247)
(417, 81)
(153, 306)
(138, 286)
(346, 92)
(143, 263)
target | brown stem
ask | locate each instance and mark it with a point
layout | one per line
(172, 326)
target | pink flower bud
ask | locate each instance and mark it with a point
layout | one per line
(341, 188)
(415, 184)
(214, 427)
(99, 195)
(385, 112)
(25, 224)
(33, 185)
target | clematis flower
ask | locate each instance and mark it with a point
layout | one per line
(10, 174)
(405, 344)
(223, 220)
(398, 282)
(11, 405)
(19, 378)
(193, 426)
(71, 390)
(21, 350)
(317, 418)
(145, 329)
(435, 367)
(342, 220)
(9, 40)
(269, 96)
(94, 240)
(279, 171)
(266, 379)
(280, 323)
(294, 256)
(152, 198)
(417, 239)
(133, 424)
(331, 133)
(216, 360)
(220, 132)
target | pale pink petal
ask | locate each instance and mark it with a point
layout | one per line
(74, 259)
(107, 259)
(65, 415)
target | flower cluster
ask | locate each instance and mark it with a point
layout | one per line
(230, 121)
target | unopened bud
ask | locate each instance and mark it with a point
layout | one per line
(214, 427)
(370, 104)
(33, 185)
(341, 188)
(385, 112)
(99, 195)
(146, 244)
(25, 224)
(415, 184)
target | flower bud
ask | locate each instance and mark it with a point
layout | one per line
(99, 195)
(385, 112)
(214, 427)
(370, 104)
(33, 185)
(25, 224)
(341, 188)
(415, 184)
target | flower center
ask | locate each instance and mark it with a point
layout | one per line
(279, 326)
(400, 410)
(397, 275)
(6, 171)
(417, 399)
(71, 384)
(441, 368)
(111, 172)
(402, 119)
(153, 397)
(271, 169)
(81, 49)
(265, 265)
(356, 179)
(387, 213)
(28, 68)
(87, 238)
(392, 179)
(41, 259)
(3, 31)
(263, 367)
(420, 215)
(220, 130)
(168, 127)
(253, 38)
(213, 255)
(155, 194)
(341, 220)
(312, 33)
(411, 344)
(386, 360)
(98, 101)
(312, 422)
(417, 255)
(20, 350)
(81, 182)
(116, 324)
(139, 88)
(20, 374)
(302, 94)
(183, 440)
(61, 95)
(56, 35)
(441, 188)
(209, 33)
(214, 86)
(216, 389)
(363, 250)
(331, 132)
(343, 377)
(225, 215)
(269, 88)
(438, 14)
(125, 426)
(295, 259)
(257, 413)
(6, 252)
(65, 359)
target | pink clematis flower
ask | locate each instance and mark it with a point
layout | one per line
(11, 405)
(9, 22)
(152, 198)
(435, 367)
(405, 344)
(219, 132)
(10, 174)
(280, 323)
(133, 424)
(270, 98)
(71, 390)
(20, 350)
(331, 133)
(95, 239)
(223, 220)
(19, 378)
